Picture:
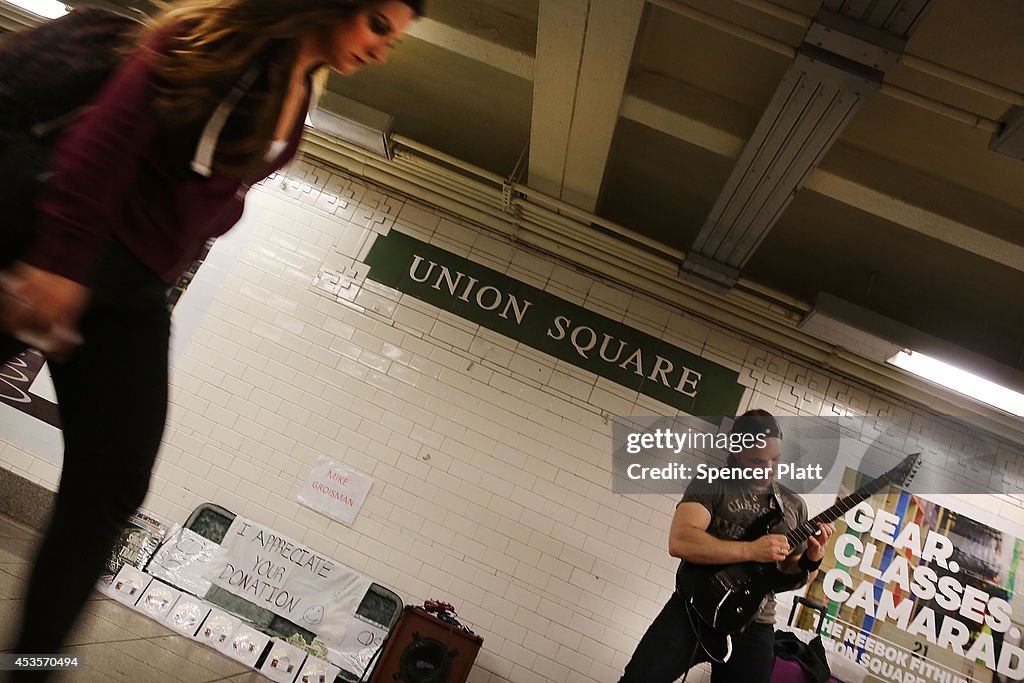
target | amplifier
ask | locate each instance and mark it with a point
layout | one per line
(425, 649)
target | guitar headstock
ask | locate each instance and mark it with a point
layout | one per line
(902, 474)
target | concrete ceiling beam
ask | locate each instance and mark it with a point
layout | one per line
(611, 35)
(510, 60)
(561, 33)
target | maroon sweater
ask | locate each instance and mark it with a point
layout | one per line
(119, 174)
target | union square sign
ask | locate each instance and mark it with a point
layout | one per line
(552, 325)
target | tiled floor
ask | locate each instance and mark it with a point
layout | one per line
(118, 643)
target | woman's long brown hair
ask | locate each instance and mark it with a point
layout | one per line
(210, 44)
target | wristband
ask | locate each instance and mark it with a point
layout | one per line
(807, 564)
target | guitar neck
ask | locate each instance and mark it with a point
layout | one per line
(844, 505)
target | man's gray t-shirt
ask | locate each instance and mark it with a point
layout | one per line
(734, 507)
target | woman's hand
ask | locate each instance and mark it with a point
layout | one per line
(42, 309)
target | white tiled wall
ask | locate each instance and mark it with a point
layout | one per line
(490, 460)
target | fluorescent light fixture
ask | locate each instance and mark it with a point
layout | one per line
(884, 340)
(354, 122)
(960, 381)
(51, 9)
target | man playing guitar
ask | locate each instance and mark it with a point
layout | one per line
(709, 523)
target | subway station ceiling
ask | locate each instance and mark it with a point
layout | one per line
(840, 147)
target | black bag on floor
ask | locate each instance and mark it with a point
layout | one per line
(809, 656)
(47, 75)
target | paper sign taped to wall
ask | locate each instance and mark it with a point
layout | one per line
(288, 578)
(335, 490)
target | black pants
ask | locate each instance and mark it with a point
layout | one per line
(112, 398)
(670, 648)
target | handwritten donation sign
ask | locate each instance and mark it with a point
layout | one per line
(555, 326)
(288, 578)
(335, 490)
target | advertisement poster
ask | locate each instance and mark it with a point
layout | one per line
(918, 593)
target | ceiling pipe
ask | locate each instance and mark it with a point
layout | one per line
(772, 297)
(728, 27)
(978, 85)
(584, 237)
(435, 155)
(350, 160)
(460, 180)
(949, 111)
(778, 11)
(554, 203)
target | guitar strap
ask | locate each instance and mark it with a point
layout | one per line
(777, 495)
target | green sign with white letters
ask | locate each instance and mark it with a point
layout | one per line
(545, 322)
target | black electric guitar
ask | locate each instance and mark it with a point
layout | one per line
(724, 599)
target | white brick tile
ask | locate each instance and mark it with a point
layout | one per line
(531, 576)
(486, 350)
(439, 536)
(183, 381)
(497, 665)
(222, 478)
(555, 567)
(450, 334)
(459, 570)
(444, 482)
(495, 247)
(439, 580)
(476, 494)
(566, 637)
(552, 670)
(517, 548)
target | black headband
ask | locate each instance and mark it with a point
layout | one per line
(757, 424)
